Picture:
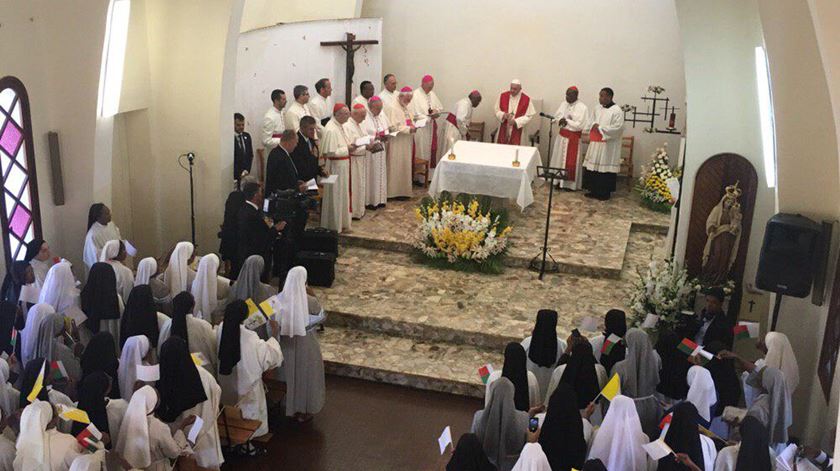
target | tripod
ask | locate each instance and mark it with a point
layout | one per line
(549, 174)
(191, 162)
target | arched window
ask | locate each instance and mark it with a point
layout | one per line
(20, 217)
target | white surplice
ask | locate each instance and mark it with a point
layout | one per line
(400, 148)
(335, 204)
(244, 385)
(95, 240)
(297, 111)
(358, 169)
(605, 156)
(576, 116)
(377, 170)
(273, 126)
(320, 107)
(421, 103)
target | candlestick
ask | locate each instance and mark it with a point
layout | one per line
(516, 159)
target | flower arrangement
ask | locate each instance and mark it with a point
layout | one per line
(656, 89)
(664, 289)
(462, 233)
(653, 185)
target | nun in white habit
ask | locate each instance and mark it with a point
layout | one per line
(146, 442)
(618, 442)
(178, 275)
(9, 396)
(701, 392)
(532, 458)
(100, 230)
(135, 352)
(114, 254)
(199, 334)
(500, 427)
(40, 447)
(639, 373)
(205, 289)
(243, 358)
(147, 274)
(59, 289)
(303, 366)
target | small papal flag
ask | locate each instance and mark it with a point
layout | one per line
(39, 384)
(612, 388)
(74, 414)
(252, 307)
(267, 308)
(13, 340)
(485, 372)
(89, 438)
(666, 421)
(687, 346)
(610, 343)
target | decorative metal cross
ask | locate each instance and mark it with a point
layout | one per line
(350, 46)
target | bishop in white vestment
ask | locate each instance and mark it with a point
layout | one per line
(401, 147)
(514, 111)
(336, 148)
(459, 120)
(274, 122)
(358, 160)
(571, 116)
(426, 105)
(603, 156)
(376, 124)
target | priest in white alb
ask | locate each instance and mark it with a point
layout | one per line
(358, 159)
(458, 126)
(425, 105)
(401, 146)
(321, 103)
(389, 93)
(300, 108)
(365, 92)
(514, 111)
(603, 156)
(376, 124)
(571, 116)
(336, 148)
(274, 122)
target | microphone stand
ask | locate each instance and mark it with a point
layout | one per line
(550, 174)
(191, 162)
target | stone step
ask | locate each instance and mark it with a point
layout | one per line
(442, 367)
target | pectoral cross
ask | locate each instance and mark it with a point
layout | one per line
(350, 46)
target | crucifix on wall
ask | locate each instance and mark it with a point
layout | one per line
(350, 46)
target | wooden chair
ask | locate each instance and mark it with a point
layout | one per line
(235, 430)
(477, 131)
(627, 144)
(421, 167)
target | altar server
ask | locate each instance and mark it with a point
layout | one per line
(321, 103)
(389, 93)
(336, 146)
(299, 108)
(114, 254)
(274, 123)
(377, 125)
(243, 358)
(199, 334)
(401, 147)
(425, 105)
(603, 156)
(514, 111)
(571, 117)
(358, 160)
(101, 229)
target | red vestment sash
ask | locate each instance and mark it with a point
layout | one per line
(595, 135)
(521, 109)
(571, 152)
(452, 119)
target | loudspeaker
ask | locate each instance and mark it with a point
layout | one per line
(319, 239)
(55, 168)
(789, 255)
(320, 267)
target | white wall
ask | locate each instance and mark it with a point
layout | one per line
(305, 61)
(549, 45)
(263, 13)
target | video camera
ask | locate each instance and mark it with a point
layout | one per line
(288, 205)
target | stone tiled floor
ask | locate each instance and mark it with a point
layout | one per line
(585, 234)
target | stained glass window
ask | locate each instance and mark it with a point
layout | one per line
(20, 217)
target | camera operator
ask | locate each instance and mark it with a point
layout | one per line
(256, 232)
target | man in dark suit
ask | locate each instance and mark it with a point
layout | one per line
(281, 173)
(712, 324)
(305, 155)
(256, 236)
(243, 152)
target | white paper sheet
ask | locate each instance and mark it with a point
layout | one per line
(148, 373)
(420, 123)
(445, 439)
(130, 249)
(265, 205)
(650, 321)
(363, 141)
(194, 431)
(657, 449)
(786, 458)
(329, 180)
(312, 185)
(77, 315)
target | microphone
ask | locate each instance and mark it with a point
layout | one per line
(190, 156)
(544, 115)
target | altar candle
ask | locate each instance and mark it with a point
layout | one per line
(517, 156)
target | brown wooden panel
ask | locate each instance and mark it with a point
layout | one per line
(716, 173)
(831, 339)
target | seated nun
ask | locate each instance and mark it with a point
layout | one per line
(639, 373)
(243, 358)
(199, 335)
(40, 447)
(148, 274)
(209, 299)
(500, 427)
(303, 367)
(145, 442)
(114, 254)
(178, 275)
(527, 389)
(136, 351)
(38, 255)
(683, 436)
(187, 390)
(581, 371)
(753, 452)
(9, 396)
(544, 348)
(101, 303)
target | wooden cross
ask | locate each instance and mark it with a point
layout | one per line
(350, 46)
